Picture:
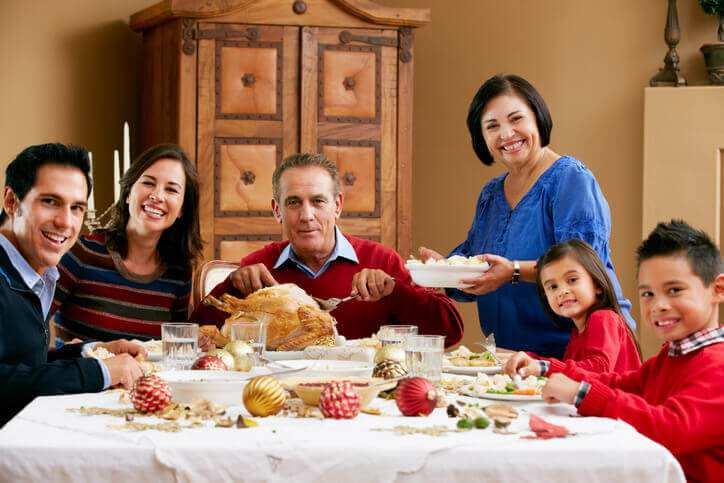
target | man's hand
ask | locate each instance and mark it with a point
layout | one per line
(122, 346)
(206, 344)
(521, 363)
(124, 370)
(372, 284)
(251, 278)
(560, 388)
(426, 253)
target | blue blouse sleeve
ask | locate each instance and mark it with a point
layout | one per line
(579, 210)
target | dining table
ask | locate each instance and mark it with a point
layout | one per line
(50, 440)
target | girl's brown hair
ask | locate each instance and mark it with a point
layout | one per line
(181, 243)
(584, 254)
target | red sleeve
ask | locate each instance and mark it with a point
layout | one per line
(601, 346)
(688, 420)
(430, 311)
(206, 314)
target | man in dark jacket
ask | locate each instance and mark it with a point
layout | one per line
(43, 205)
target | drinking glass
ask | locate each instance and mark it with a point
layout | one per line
(180, 345)
(254, 334)
(423, 356)
(396, 334)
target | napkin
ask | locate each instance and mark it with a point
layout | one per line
(545, 430)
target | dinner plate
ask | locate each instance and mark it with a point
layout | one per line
(283, 355)
(471, 371)
(330, 368)
(501, 397)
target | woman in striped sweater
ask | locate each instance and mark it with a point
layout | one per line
(128, 278)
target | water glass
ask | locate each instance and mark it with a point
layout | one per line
(396, 334)
(180, 345)
(423, 356)
(254, 334)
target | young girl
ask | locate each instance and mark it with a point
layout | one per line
(573, 285)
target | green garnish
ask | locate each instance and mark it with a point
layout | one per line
(474, 356)
(465, 424)
(481, 422)
(510, 387)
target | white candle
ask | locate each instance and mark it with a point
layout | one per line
(91, 195)
(126, 148)
(116, 176)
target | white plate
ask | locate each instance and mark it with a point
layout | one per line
(330, 368)
(219, 387)
(471, 371)
(283, 355)
(501, 397)
(444, 276)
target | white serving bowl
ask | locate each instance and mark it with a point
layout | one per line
(329, 368)
(444, 276)
(220, 387)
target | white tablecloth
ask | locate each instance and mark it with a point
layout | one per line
(45, 442)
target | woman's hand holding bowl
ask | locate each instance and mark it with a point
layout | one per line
(499, 273)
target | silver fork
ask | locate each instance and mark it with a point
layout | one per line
(329, 305)
(489, 345)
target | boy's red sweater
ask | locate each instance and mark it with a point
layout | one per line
(604, 346)
(676, 401)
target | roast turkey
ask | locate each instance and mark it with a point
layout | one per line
(294, 320)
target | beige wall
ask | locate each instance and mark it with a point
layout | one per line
(71, 73)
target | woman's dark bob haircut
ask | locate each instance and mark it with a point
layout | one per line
(494, 87)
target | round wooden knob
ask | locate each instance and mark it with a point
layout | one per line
(248, 177)
(349, 178)
(248, 79)
(299, 7)
(348, 83)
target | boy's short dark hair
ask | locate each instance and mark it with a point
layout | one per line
(22, 172)
(679, 238)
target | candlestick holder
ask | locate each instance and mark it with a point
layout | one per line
(93, 222)
(670, 71)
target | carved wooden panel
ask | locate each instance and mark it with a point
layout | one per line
(349, 83)
(243, 171)
(236, 247)
(359, 172)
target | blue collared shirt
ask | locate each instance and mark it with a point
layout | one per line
(44, 287)
(342, 249)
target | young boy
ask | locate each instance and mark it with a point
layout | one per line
(677, 397)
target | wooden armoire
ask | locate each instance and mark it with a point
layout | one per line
(241, 84)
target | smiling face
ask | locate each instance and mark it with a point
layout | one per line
(156, 198)
(674, 301)
(45, 224)
(569, 288)
(510, 131)
(308, 210)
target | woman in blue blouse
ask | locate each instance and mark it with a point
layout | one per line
(543, 199)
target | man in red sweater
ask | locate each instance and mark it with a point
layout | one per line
(325, 263)
(677, 397)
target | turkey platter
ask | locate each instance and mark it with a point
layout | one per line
(294, 320)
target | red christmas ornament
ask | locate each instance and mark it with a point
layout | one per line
(339, 400)
(150, 394)
(209, 363)
(416, 397)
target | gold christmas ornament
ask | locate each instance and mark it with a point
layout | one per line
(264, 396)
(392, 353)
(241, 352)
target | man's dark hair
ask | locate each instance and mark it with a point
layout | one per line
(679, 238)
(22, 172)
(497, 86)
